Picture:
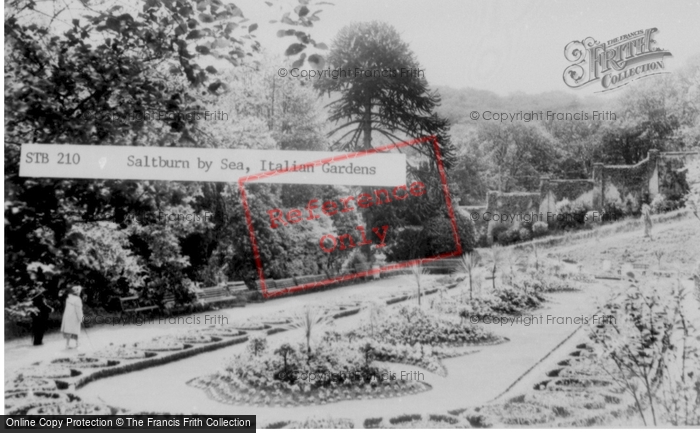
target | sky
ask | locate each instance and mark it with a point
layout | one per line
(502, 46)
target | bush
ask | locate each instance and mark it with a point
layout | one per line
(570, 215)
(497, 231)
(592, 218)
(508, 237)
(612, 212)
(525, 234)
(539, 229)
(358, 261)
(661, 204)
(434, 237)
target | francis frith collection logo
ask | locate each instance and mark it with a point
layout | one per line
(616, 62)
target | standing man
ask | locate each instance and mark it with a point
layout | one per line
(40, 318)
(646, 215)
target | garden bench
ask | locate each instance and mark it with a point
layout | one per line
(215, 294)
(134, 304)
(169, 300)
(448, 266)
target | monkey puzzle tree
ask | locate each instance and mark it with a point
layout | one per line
(382, 90)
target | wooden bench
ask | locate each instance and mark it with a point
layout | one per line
(134, 304)
(447, 266)
(169, 300)
(215, 294)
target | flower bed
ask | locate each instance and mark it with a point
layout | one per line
(245, 326)
(85, 362)
(509, 414)
(227, 331)
(18, 398)
(568, 403)
(329, 372)
(21, 402)
(71, 409)
(414, 326)
(123, 352)
(321, 423)
(21, 382)
(417, 421)
(48, 371)
(230, 390)
(160, 344)
(196, 338)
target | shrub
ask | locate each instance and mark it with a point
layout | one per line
(509, 236)
(372, 422)
(497, 230)
(358, 261)
(570, 215)
(612, 212)
(592, 218)
(539, 229)
(412, 325)
(526, 225)
(525, 234)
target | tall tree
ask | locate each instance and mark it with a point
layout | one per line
(382, 89)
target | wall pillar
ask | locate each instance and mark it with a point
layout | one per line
(598, 186)
(653, 173)
(545, 188)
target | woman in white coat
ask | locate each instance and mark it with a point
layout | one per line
(72, 316)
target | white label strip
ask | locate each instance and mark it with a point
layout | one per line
(210, 165)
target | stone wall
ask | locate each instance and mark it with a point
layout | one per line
(628, 186)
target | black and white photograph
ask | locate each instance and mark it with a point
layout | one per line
(351, 214)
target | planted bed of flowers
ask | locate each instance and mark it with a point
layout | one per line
(291, 376)
(412, 325)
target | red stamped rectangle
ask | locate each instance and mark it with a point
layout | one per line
(352, 155)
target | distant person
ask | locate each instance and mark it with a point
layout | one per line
(72, 316)
(40, 318)
(646, 215)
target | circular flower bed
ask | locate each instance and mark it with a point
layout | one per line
(288, 376)
(85, 362)
(230, 390)
(123, 352)
(71, 409)
(160, 344)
